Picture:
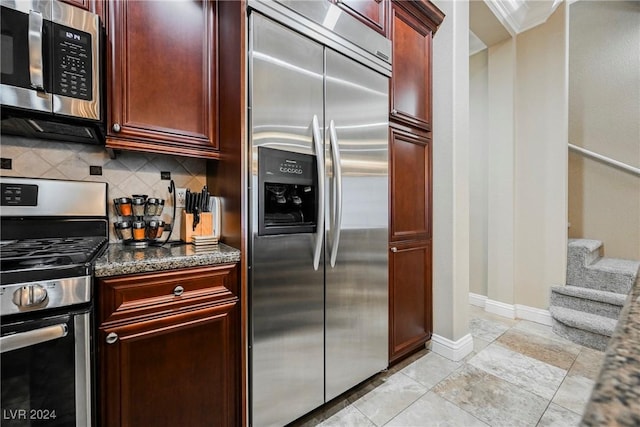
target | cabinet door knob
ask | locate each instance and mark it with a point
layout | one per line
(116, 127)
(394, 112)
(112, 338)
(394, 249)
(178, 290)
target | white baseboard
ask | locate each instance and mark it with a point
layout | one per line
(511, 311)
(452, 350)
(533, 314)
(500, 308)
(477, 299)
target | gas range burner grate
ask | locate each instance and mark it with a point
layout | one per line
(43, 253)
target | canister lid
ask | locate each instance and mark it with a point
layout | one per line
(137, 200)
(122, 200)
(123, 224)
(138, 224)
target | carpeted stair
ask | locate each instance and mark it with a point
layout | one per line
(586, 310)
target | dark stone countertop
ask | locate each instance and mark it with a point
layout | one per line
(615, 400)
(121, 259)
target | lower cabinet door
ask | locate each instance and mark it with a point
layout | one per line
(177, 370)
(410, 298)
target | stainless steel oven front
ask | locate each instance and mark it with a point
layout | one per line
(46, 371)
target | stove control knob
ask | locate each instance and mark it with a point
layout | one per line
(29, 296)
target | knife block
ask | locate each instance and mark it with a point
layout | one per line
(204, 227)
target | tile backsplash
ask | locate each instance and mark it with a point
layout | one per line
(129, 173)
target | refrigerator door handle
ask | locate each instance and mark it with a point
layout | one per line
(337, 182)
(317, 142)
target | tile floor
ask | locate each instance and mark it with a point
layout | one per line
(519, 374)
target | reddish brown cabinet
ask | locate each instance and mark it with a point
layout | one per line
(410, 185)
(412, 25)
(169, 348)
(410, 297)
(372, 13)
(162, 77)
(411, 32)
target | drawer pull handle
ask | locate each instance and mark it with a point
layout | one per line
(112, 338)
(178, 290)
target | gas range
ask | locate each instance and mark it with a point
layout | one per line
(51, 233)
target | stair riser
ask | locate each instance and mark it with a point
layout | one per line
(585, 305)
(579, 336)
(602, 280)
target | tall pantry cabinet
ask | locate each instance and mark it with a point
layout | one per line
(412, 25)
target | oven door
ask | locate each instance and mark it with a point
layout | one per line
(46, 374)
(25, 62)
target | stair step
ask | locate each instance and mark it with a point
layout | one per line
(579, 336)
(585, 321)
(607, 274)
(584, 250)
(602, 303)
(612, 298)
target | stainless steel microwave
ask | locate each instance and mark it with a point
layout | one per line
(50, 85)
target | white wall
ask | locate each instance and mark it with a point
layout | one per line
(451, 172)
(500, 171)
(525, 171)
(541, 160)
(604, 116)
(478, 149)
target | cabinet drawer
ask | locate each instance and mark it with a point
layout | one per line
(139, 295)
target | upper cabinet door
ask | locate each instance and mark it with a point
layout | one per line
(411, 79)
(371, 12)
(162, 74)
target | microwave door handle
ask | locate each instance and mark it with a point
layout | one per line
(337, 177)
(317, 142)
(35, 50)
(30, 338)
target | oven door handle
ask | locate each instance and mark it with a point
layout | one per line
(27, 339)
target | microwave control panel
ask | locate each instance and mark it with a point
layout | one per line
(73, 71)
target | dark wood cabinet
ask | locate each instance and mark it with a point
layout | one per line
(411, 33)
(410, 299)
(169, 348)
(412, 26)
(410, 185)
(372, 13)
(162, 77)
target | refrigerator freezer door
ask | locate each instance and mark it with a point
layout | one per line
(356, 336)
(286, 293)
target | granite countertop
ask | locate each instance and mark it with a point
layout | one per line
(615, 400)
(121, 259)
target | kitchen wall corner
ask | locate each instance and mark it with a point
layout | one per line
(129, 173)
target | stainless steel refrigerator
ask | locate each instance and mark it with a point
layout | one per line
(318, 203)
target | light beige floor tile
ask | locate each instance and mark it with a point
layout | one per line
(547, 332)
(542, 348)
(389, 399)
(432, 410)
(588, 363)
(349, 416)
(481, 313)
(485, 329)
(491, 399)
(574, 393)
(524, 371)
(430, 369)
(557, 416)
